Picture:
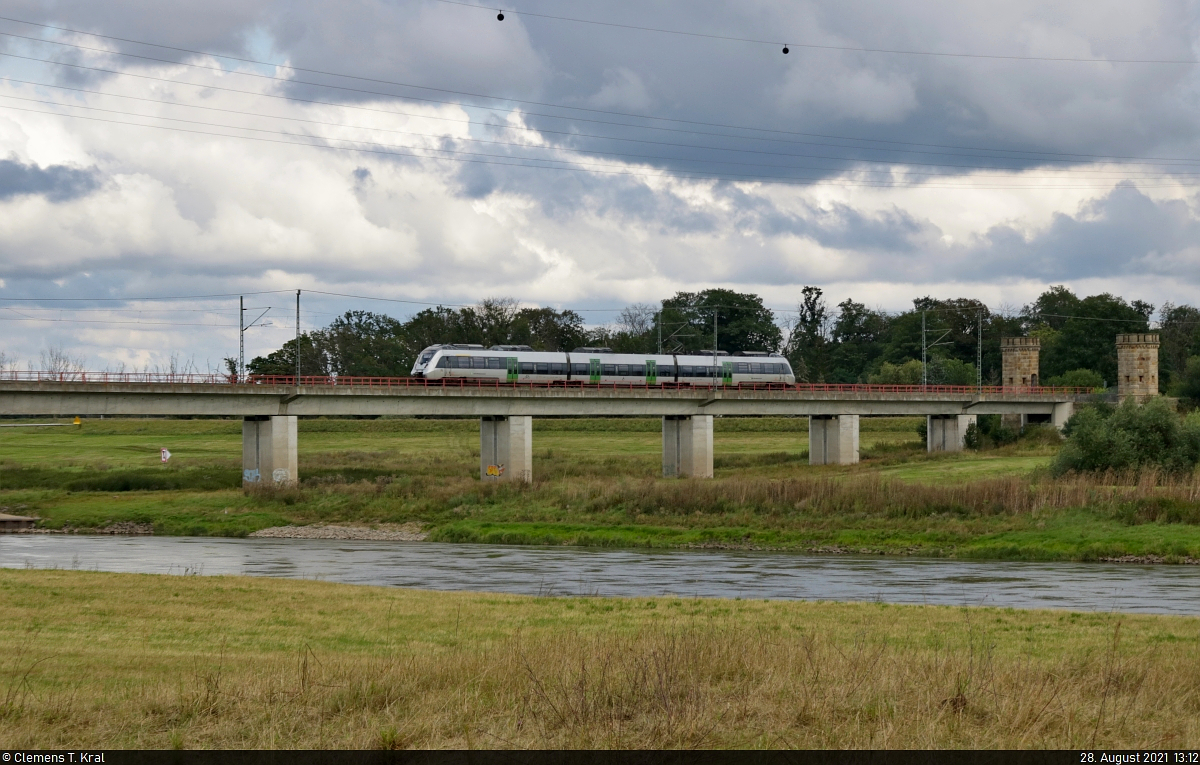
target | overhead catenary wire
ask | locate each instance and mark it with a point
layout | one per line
(1093, 174)
(1162, 162)
(976, 308)
(815, 46)
(574, 166)
(485, 96)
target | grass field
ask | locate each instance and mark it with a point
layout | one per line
(93, 660)
(597, 482)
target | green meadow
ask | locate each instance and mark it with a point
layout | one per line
(598, 482)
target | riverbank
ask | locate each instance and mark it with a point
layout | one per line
(596, 484)
(138, 661)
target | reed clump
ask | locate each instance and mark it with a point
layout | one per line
(1152, 494)
(112, 661)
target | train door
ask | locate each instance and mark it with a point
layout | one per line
(512, 369)
(651, 372)
(594, 370)
(727, 373)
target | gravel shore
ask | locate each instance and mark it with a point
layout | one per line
(384, 532)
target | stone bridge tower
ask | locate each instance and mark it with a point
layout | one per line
(1020, 361)
(1137, 365)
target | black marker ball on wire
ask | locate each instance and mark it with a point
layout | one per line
(500, 16)
(785, 50)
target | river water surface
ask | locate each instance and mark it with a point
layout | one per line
(593, 572)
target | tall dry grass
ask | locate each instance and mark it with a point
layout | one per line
(1151, 495)
(136, 661)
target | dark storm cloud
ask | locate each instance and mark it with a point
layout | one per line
(1078, 108)
(1123, 233)
(58, 183)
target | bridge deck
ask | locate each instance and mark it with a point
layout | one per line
(85, 394)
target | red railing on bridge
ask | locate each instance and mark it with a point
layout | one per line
(478, 383)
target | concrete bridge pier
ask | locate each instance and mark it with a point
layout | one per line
(269, 451)
(947, 433)
(1062, 413)
(506, 449)
(833, 440)
(688, 446)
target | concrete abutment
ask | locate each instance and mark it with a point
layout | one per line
(270, 451)
(506, 449)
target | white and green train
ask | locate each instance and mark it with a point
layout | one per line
(520, 363)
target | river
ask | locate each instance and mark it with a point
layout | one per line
(570, 571)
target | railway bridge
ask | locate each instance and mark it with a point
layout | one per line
(270, 407)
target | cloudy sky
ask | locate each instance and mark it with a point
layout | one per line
(422, 150)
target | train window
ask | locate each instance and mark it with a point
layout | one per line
(558, 369)
(526, 367)
(666, 370)
(608, 370)
(496, 362)
(444, 362)
(543, 369)
(756, 369)
(479, 362)
(462, 362)
(623, 370)
(741, 368)
(579, 370)
(685, 370)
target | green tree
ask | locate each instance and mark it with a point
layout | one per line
(1086, 338)
(743, 322)
(545, 329)
(1189, 381)
(313, 360)
(365, 344)
(1179, 338)
(908, 373)
(1077, 378)
(857, 341)
(808, 345)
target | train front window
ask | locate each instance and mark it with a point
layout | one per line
(426, 356)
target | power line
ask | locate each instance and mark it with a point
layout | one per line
(850, 48)
(160, 297)
(482, 95)
(572, 166)
(536, 147)
(1119, 160)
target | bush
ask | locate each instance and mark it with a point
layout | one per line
(972, 439)
(1130, 437)
(1077, 378)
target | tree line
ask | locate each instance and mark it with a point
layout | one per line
(846, 343)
